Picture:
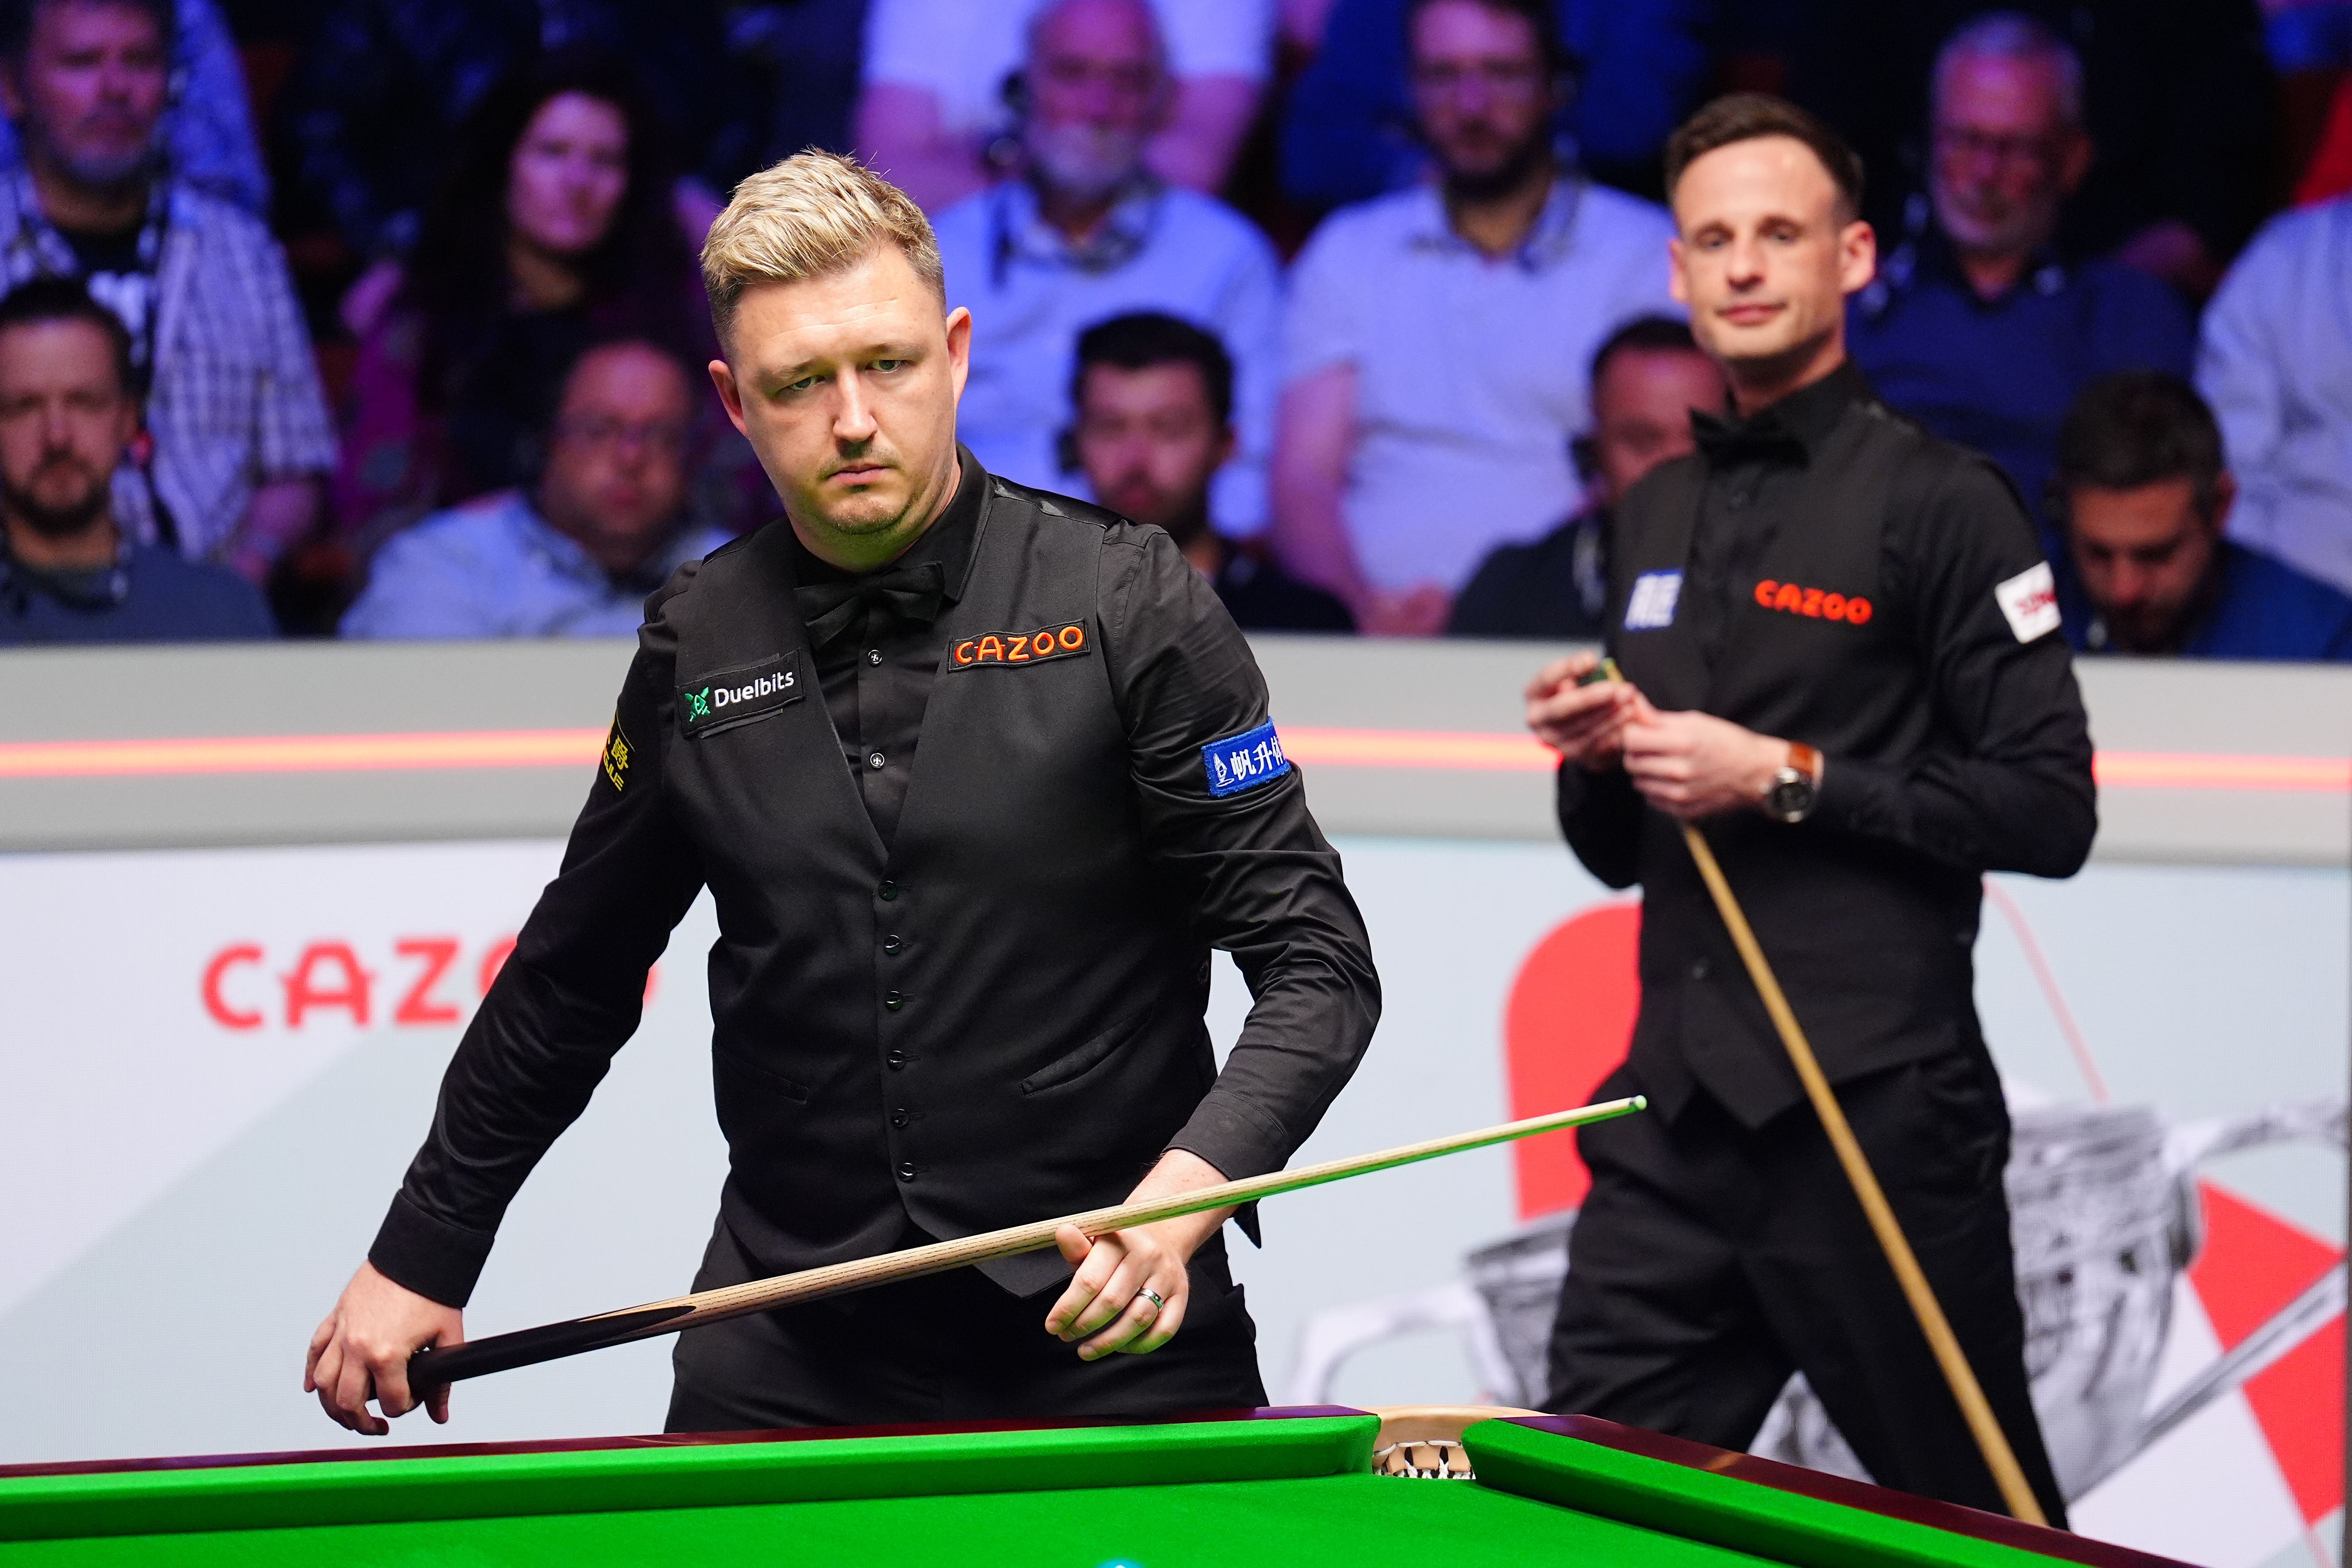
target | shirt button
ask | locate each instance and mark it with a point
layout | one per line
(891, 944)
(894, 1060)
(905, 1170)
(873, 656)
(873, 759)
(899, 1116)
(892, 1001)
(887, 891)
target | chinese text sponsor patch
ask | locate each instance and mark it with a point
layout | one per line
(1245, 761)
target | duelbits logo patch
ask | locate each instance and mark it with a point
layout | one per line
(724, 698)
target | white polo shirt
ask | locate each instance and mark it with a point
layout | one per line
(1472, 372)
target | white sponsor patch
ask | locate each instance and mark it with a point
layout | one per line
(2030, 600)
(1651, 605)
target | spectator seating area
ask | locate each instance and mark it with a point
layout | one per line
(381, 318)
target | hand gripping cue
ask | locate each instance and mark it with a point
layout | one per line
(431, 1368)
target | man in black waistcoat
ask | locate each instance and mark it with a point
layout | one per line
(1840, 651)
(976, 776)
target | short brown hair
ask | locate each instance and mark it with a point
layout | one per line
(2138, 427)
(814, 214)
(1746, 117)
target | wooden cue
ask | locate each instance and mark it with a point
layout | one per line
(1982, 1424)
(431, 1368)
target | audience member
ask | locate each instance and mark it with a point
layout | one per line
(1646, 379)
(2177, 98)
(207, 134)
(240, 429)
(1437, 337)
(1977, 327)
(551, 232)
(69, 572)
(2145, 495)
(1348, 129)
(944, 92)
(376, 114)
(2276, 362)
(1153, 400)
(575, 551)
(1088, 232)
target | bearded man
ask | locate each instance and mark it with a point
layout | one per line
(69, 572)
(1085, 232)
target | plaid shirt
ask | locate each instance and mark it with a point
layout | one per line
(234, 400)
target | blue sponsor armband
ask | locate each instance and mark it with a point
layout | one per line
(1244, 762)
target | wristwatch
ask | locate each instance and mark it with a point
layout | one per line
(1793, 790)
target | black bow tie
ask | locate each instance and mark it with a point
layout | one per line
(1727, 441)
(913, 593)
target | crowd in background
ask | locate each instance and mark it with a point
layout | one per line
(381, 318)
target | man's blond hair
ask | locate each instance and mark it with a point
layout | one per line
(814, 214)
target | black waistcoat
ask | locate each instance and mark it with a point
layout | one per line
(996, 1018)
(1872, 942)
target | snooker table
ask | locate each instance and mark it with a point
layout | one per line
(1291, 1487)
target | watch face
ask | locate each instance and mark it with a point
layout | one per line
(1792, 797)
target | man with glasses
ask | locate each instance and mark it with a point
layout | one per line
(1977, 326)
(575, 553)
(1438, 337)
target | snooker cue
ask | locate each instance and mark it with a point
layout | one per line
(1982, 1425)
(431, 1368)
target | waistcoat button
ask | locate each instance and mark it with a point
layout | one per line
(1698, 969)
(892, 1001)
(899, 1116)
(891, 943)
(873, 760)
(894, 1060)
(905, 1170)
(887, 891)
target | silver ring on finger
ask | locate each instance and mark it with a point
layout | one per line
(1155, 1297)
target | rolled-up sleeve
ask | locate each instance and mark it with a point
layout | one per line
(566, 1001)
(2011, 788)
(1256, 876)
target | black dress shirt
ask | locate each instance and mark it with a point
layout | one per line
(877, 667)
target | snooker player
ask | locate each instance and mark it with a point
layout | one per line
(1840, 651)
(976, 776)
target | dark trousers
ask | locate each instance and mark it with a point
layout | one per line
(1711, 1260)
(952, 1347)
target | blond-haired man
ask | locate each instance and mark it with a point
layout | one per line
(936, 1009)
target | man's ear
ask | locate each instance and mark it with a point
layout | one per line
(12, 92)
(2225, 496)
(1228, 439)
(2074, 161)
(1857, 256)
(958, 327)
(1676, 285)
(730, 396)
